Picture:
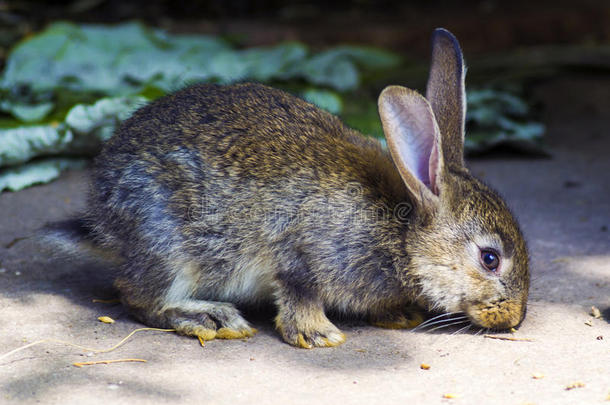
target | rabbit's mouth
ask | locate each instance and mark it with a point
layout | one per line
(503, 314)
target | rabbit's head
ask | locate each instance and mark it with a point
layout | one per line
(466, 249)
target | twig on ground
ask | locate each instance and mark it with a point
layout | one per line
(512, 339)
(87, 349)
(92, 363)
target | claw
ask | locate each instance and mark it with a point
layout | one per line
(228, 333)
(205, 334)
(301, 342)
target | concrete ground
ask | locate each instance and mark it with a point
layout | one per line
(563, 204)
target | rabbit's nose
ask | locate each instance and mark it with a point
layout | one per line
(503, 314)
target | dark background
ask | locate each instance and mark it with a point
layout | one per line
(522, 41)
(481, 26)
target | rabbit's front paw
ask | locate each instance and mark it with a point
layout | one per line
(208, 320)
(398, 320)
(308, 331)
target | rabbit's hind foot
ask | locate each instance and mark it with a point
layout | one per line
(307, 329)
(398, 320)
(203, 319)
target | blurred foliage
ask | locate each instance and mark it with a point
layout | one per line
(497, 116)
(37, 171)
(64, 91)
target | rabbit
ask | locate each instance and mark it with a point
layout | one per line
(216, 197)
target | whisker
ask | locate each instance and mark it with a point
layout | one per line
(448, 337)
(445, 314)
(449, 324)
(464, 329)
(436, 320)
(440, 321)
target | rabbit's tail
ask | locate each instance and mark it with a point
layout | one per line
(74, 238)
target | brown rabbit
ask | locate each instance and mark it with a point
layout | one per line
(215, 196)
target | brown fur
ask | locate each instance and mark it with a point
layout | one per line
(220, 196)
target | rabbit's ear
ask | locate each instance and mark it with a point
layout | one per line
(446, 94)
(413, 140)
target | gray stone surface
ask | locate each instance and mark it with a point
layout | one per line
(563, 204)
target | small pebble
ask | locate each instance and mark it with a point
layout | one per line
(595, 312)
(576, 384)
(105, 319)
(17, 273)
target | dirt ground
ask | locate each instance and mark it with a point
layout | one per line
(563, 204)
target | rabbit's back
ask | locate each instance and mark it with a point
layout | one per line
(246, 126)
(247, 131)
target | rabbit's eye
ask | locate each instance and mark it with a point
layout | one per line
(490, 259)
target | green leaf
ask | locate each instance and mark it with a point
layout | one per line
(37, 172)
(31, 113)
(265, 64)
(114, 60)
(325, 99)
(329, 70)
(367, 57)
(94, 124)
(500, 117)
(18, 145)
(85, 128)
(338, 67)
